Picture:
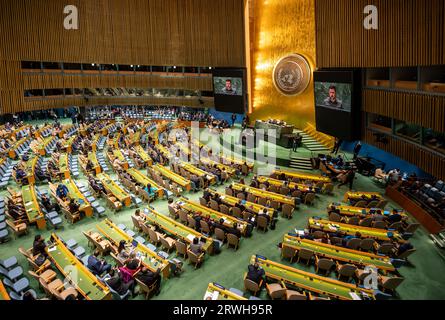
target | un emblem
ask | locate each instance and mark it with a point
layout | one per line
(292, 74)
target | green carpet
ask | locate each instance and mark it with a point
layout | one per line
(423, 279)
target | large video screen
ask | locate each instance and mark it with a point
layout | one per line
(228, 86)
(229, 90)
(333, 95)
(337, 102)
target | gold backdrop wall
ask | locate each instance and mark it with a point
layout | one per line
(282, 27)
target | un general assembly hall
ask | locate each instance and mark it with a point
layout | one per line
(231, 150)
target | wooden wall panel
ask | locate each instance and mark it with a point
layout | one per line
(411, 33)
(57, 81)
(49, 103)
(196, 33)
(427, 161)
(146, 32)
(422, 109)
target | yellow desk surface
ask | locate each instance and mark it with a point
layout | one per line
(230, 170)
(69, 144)
(279, 183)
(165, 152)
(264, 194)
(349, 229)
(149, 258)
(351, 211)
(77, 195)
(96, 165)
(303, 176)
(118, 154)
(3, 293)
(63, 166)
(183, 182)
(309, 281)
(115, 189)
(199, 172)
(361, 194)
(81, 278)
(252, 207)
(339, 253)
(143, 154)
(214, 215)
(32, 206)
(217, 292)
(177, 229)
(42, 147)
(144, 180)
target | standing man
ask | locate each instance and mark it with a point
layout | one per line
(233, 119)
(350, 176)
(337, 145)
(295, 144)
(357, 148)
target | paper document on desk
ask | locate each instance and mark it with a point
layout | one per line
(190, 237)
(354, 296)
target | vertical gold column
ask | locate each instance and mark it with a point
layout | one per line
(282, 27)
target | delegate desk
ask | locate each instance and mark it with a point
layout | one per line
(349, 229)
(176, 178)
(74, 193)
(165, 152)
(311, 282)
(250, 206)
(264, 194)
(68, 146)
(281, 129)
(94, 142)
(230, 161)
(350, 211)
(216, 291)
(96, 165)
(214, 215)
(32, 206)
(118, 154)
(63, 166)
(143, 154)
(359, 195)
(230, 170)
(46, 142)
(279, 183)
(3, 293)
(199, 172)
(337, 253)
(149, 258)
(177, 230)
(113, 188)
(144, 180)
(12, 153)
(80, 277)
(302, 176)
(30, 169)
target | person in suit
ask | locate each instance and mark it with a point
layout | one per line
(357, 149)
(62, 191)
(73, 206)
(255, 273)
(39, 246)
(234, 230)
(220, 225)
(394, 217)
(149, 278)
(97, 266)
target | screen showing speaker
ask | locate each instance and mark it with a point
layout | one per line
(337, 102)
(229, 89)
